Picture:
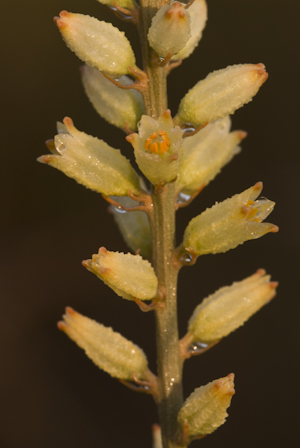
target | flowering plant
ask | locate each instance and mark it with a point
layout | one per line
(178, 157)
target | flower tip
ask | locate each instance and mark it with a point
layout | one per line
(258, 186)
(86, 264)
(70, 311)
(68, 122)
(44, 159)
(167, 114)
(61, 326)
(260, 272)
(102, 250)
(274, 229)
(50, 144)
(242, 134)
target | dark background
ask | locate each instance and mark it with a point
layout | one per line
(51, 394)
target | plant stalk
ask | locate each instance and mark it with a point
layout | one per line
(162, 221)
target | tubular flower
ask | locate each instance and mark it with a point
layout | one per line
(97, 43)
(221, 93)
(109, 350)
(198, 14)
(122, 108)
(205, 409)
(91, 162)
(157, 148)
(229, 223)
(230, 307)
(134, 226)
(205, 154)
(170, 29)
(128, 275)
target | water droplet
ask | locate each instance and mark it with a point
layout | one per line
(187, 128)
(119, 209)
(183, 198)
(197, 347)
(186, 258)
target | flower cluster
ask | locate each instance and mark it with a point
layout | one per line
(182, 154)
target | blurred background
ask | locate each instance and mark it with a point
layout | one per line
(51, 394)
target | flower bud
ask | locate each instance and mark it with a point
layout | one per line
(198, 15)
(229, 223)
(205, 409)
(170, 29)
(230, 307)
(157, 148)
(128, 275)
(109, 350)
(128, 4)
(122, 108)
(134, 226)
(97, 43)
(91, 162)
(221, 93)
(205, 154)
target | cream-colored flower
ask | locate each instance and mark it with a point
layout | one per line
(198, 14)
(97, 43)
(109, 350)
(206, 153)
(229, 223)
(134, 226)
(205, 409)
(91, 162)
(230, 307)
(128, 275)
(221, 93)
(170, 29)
(157, 148)
(122, 108)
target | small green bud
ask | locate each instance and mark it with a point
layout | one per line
(170, 29)
(205, 409)
(229, 223)
(88, 37)
(91, 162)
(230, 307)
(122, 108)
(205, 154)
(128, 275)
(221, 93)
(109, 350)
(198, 15)
(134, 226)
(157, 148)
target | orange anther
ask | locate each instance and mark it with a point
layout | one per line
(154, 148)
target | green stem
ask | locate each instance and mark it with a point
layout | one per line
(169, 362)
(162, 220)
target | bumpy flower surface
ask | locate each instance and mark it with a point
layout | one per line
(205, 409)
(221, 93)
(109, 350)
(122, 108)
(91, 162)
(128, 4)
(128, 275)
(170, 29)
(97, 43)
(198, 15)
(229, 223)
(157, 148)
(134, 226)
(205, 154)
(230, 307)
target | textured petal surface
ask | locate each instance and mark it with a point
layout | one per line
(221, 93)
(230, 307)
(97, 43)
(122, 108)
(109, 350)
(92, 163)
